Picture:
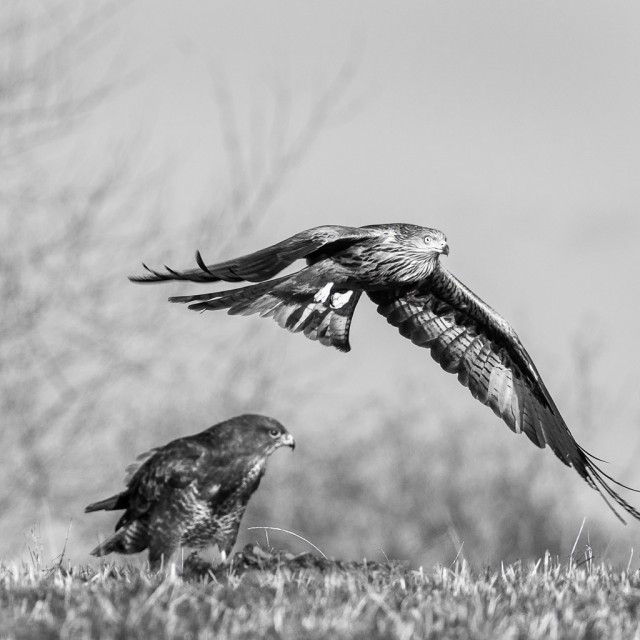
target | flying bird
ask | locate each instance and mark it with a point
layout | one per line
(192, 491)
(398, 267)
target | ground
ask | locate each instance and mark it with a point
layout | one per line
(267, 594)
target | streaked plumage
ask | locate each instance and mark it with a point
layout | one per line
(397, 266)
(193, 491)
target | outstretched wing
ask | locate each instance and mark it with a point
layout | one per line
(468, 338)
(265, 263)
(318, 313)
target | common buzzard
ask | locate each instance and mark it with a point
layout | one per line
(192, 491)
(398, 267)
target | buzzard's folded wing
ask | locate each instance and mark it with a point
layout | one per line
(174, 466)
(468, 338)
(214, 472)
(265, 263)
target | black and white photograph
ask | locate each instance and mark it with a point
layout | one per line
(408, 402)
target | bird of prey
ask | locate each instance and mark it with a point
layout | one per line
(192, 491)
(398, 267)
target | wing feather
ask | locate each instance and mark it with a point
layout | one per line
(469, 356)
(184, 463)
(293, 306)
(476, 368)
(469, 338)
(452, 353)
(265, 263)
(440, 348)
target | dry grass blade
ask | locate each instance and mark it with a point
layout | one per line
(291, 533)
(362, 600)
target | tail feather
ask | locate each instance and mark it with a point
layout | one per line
(132, 538)
(119, 501)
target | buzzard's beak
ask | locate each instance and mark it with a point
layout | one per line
(444, 249)
(288, 441)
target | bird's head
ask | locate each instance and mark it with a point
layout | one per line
(417, 250)
(274, 435)
(428, 241)
(257, 433)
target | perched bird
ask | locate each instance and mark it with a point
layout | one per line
(398, 267)
(192, 491)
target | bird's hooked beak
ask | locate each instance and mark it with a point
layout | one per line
(443, 247)
(287, 441)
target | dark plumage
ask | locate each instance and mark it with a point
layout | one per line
(192, 491)
(398, 267)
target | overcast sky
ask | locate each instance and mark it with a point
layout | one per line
(511, 126)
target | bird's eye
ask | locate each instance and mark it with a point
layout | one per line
(427, 239)
(274, 433)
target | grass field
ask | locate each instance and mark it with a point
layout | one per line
(263, 594)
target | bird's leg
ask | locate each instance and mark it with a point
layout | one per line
(157, 562)
(163, 563)
(161, 555)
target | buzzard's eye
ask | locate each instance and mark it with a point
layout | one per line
(427, 239)
(274, 433)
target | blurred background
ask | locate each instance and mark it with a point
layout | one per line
(142, 131)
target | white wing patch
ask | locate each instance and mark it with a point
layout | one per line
(324, 293)
(338, 300)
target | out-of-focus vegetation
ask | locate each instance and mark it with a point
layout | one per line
(284, 596)
(94, 370)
